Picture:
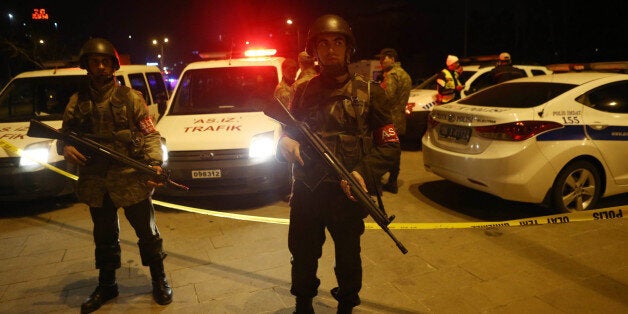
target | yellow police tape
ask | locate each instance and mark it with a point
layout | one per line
(597, 214)
(17, 151)
(605, 213)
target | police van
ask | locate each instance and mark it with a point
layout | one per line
(218, 139)
(43, 95)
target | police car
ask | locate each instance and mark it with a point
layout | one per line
(218, 139)
(43, 95)
(559, 140)
(475, 77)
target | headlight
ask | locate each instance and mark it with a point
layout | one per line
(35, 153)
(262, 146)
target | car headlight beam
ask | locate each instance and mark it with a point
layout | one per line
(34, 154)
(262, 146)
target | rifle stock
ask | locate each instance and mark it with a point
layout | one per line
(40, 129)
(284, 117)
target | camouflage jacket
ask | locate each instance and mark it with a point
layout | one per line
(283, 92)
(353, 120)
(397, 84)
(117, 117)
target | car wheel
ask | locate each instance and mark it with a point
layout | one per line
(577, 187)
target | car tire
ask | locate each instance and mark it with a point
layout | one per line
(577, 187)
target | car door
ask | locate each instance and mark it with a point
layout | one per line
(606, 117)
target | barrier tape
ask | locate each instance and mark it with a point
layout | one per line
(589, 215)
(596, 214)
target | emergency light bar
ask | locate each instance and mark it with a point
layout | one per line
(260, 52)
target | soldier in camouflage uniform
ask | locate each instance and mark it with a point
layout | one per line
(117, 117)
(352, 117)
(283, 90)
(397, 84)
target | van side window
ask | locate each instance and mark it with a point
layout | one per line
(138, 83)
(37, 96)
(157, 87)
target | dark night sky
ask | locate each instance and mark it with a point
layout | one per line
(424, 32)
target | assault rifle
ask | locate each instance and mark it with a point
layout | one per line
(280, 113)
(40, 129)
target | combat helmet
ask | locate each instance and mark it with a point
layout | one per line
(329, 24)
(99, 46)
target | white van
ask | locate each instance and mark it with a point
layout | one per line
(219, 141)
(43, 95)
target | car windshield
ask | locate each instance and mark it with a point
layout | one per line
(517, 95)
(228, 89)
(465, 75)
(44, 97)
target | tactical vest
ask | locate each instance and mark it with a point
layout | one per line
(340, 120)
(122, 132)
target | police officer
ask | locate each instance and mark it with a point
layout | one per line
(504, 70)
(448, 83)
(117, 117)
(397, 84)
(351, 115)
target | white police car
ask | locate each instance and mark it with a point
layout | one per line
(559, 140)
(475, 77)
(218, 139)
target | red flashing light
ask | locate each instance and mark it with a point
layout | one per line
(260, 52)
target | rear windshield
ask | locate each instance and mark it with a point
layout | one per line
(516, 95)
(44, 97)
(232, 89)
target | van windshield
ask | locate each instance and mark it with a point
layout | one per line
(44, 97)
(221, 90)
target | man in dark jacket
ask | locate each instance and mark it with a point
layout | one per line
(505, 71)
(352, 116)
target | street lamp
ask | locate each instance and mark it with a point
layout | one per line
(162, 58)
(290, 22)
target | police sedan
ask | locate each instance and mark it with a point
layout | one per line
(560, 140)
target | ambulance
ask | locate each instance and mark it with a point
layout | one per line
(218, 139)
(30, 168)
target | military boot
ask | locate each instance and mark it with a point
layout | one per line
(107, 289)
(304, 306)
(343, 307)
(162, 293)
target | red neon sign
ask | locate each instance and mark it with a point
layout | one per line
(39, 14)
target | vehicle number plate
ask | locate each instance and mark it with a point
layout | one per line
(206, 174)
(454, 133)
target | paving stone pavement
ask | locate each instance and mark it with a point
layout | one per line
(221, 265)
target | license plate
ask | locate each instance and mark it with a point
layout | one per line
(454, 133)
(206, 174)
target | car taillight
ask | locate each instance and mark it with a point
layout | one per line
(516, 131)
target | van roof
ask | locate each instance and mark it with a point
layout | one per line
(133, 68)
(274, 61)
